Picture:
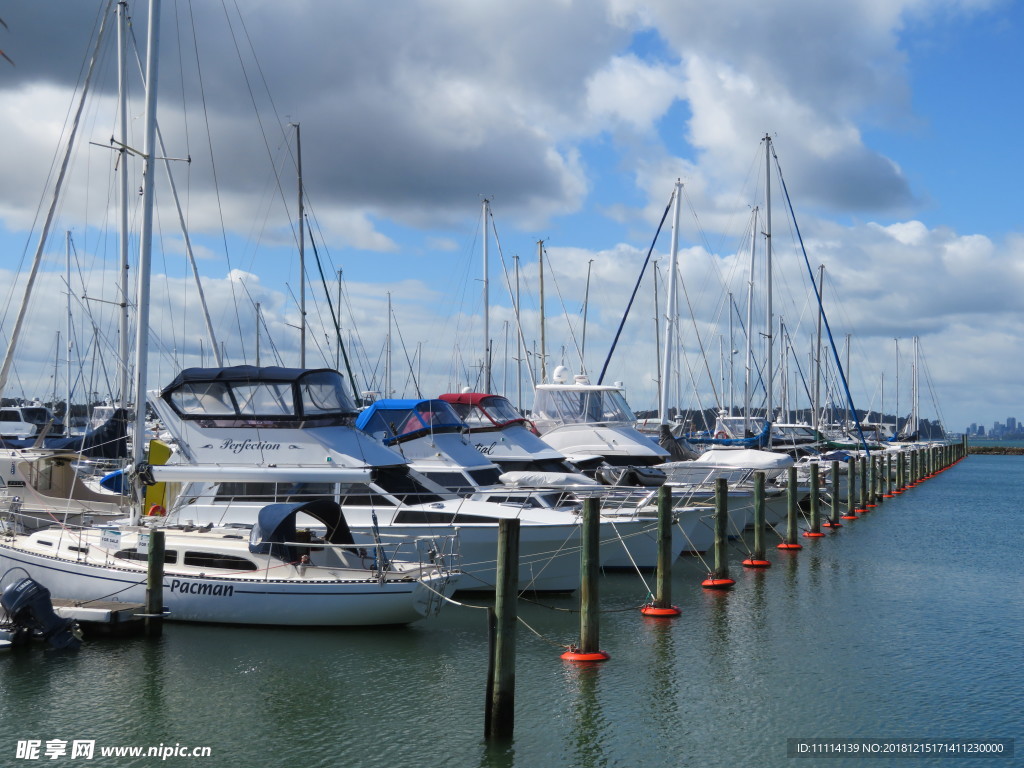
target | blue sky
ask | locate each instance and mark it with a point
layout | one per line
(893, 123)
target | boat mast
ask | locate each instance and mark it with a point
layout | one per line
(487, 301)
(139, 446)
(768, 282)
(750, 328)
(543, 339)
(302, 252)
(815, 421)
(67, 277)
(896, 427)
(670, 309)
(122, 101)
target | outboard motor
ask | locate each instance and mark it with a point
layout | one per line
(28, 605)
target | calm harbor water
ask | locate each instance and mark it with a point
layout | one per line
(907, 623)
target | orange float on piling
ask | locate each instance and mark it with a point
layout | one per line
(790, 547)
(752, 562)
(572, 655)
(830, 524)
(713, 583)
(662, 613)
(813, 535)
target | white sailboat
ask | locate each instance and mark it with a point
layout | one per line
(223, 575)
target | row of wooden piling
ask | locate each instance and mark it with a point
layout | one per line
(870, 480)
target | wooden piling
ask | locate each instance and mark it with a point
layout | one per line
(757, 558)
(662, 606)
(789, 542)
(499, 715)
(155, 585)
(851, 490)
(862, 498)
(815, 532)
(833, 519)
(590, 570)
(719, 579)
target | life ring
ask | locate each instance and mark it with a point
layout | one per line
(156, 511)
(721, 436)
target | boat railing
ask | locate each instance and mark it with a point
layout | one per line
(437, 552)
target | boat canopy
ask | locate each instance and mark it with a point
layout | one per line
(245, 395)
(399, 420)
(481, 411)
(275, 530)
(556, 405)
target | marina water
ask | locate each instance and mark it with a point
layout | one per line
(906, 623)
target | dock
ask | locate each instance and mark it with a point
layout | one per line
(102, 617)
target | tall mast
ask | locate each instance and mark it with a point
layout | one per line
(896, 427)
(817, 353)
(750, 328)
(543, 340)
(768, 281)
(122, 101)
(487, 302)
(670, 309)
(302, 251)
(146, 236)
(67, 388)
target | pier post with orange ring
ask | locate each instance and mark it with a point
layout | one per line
(862, 499)
(662, 606)
(815, 532)
(719, 578)
(790, 542)
(833, 517)
(851, 490)
(887, 476)
(154, 622)
(590, 567)
(873, 494)
(900, 474)
(757, 558)
(499, 716)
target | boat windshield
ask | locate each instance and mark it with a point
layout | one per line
(581, 406)
(311, 396)
(488, 412)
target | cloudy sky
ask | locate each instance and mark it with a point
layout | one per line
(891, 122)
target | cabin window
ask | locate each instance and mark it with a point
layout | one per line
(398, 482)
(219, 560)
(323, 392)
(210, 398)
(438, 516)
(170, 555)
(10, 416)
(265, 399)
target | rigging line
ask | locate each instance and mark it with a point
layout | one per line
(334, 317)
(565, 312)
(37, 260)
(636, 288)
(86, 68)
(405, 351)
(821, 308)
(508, 286)
(213, 170)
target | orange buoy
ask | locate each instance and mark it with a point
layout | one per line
(752, 562)
(572, 655)
(792, 547)
(830, 524)
(713, 583)
(156, 511)
(813, 535)
(664, 613)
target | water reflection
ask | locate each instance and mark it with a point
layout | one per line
(589, 724)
